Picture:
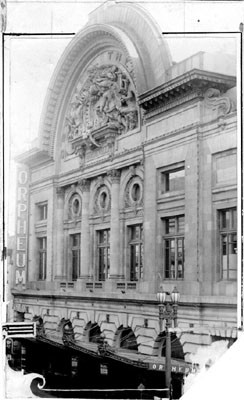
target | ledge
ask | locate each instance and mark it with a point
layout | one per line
(120, 296)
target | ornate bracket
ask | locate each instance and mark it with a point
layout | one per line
(114, 175)
(84, 185)
(216, 101)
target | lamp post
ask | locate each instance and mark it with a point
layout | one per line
(168, 312)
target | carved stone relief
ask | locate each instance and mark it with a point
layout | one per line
(106, 98)
(103, 105)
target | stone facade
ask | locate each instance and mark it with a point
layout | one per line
(128, 144)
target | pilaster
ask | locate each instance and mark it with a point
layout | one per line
(59, 273)
(85, 230)
(115, 267)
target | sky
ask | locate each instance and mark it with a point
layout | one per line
(30, 60)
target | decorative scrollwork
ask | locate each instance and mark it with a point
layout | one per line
(216, 101)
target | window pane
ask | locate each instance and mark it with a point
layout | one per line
(75, 264)
(224, 244)
(234, 218)
(108, 261)
(101, 274)
(181, 224)
(172, 259)
(135, 232)
(226, 168)
(225, 219)
(177, 180)
(135, 249)
(103, 254)
(167, 259)
(141, 261)
(170, 225)
(180, 258)
(232, 244)
(43, 211)
(166, 177)
(136, 192)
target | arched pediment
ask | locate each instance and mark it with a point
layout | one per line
(108, 51)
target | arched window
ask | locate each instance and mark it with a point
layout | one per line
(176, 347)
(128, 340)
(94, 333)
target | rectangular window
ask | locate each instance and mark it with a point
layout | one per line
(228, 243)
(226, 168)
(103, 251)
(75, 255)
(136, 252)
(173, 180)
(42, 258)
(173, 246)
(42, 212)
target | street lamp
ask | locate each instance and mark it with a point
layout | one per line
(168, 312)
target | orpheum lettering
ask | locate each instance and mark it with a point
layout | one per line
(21, 225)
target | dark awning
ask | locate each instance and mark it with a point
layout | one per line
(145, 361)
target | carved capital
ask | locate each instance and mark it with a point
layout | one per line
(114, 175)
(85, 185)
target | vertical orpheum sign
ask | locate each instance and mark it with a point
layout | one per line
(21, 225)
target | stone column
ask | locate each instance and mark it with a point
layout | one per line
(85, 231)
(115, 270)
(59, 233)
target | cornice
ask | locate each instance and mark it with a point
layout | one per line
(140, 299)
(34, 157)
(188, 86)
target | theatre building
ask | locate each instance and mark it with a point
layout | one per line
(133, 187)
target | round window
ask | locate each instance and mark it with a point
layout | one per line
(103, 199)
(136, 192)
(76, 206)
